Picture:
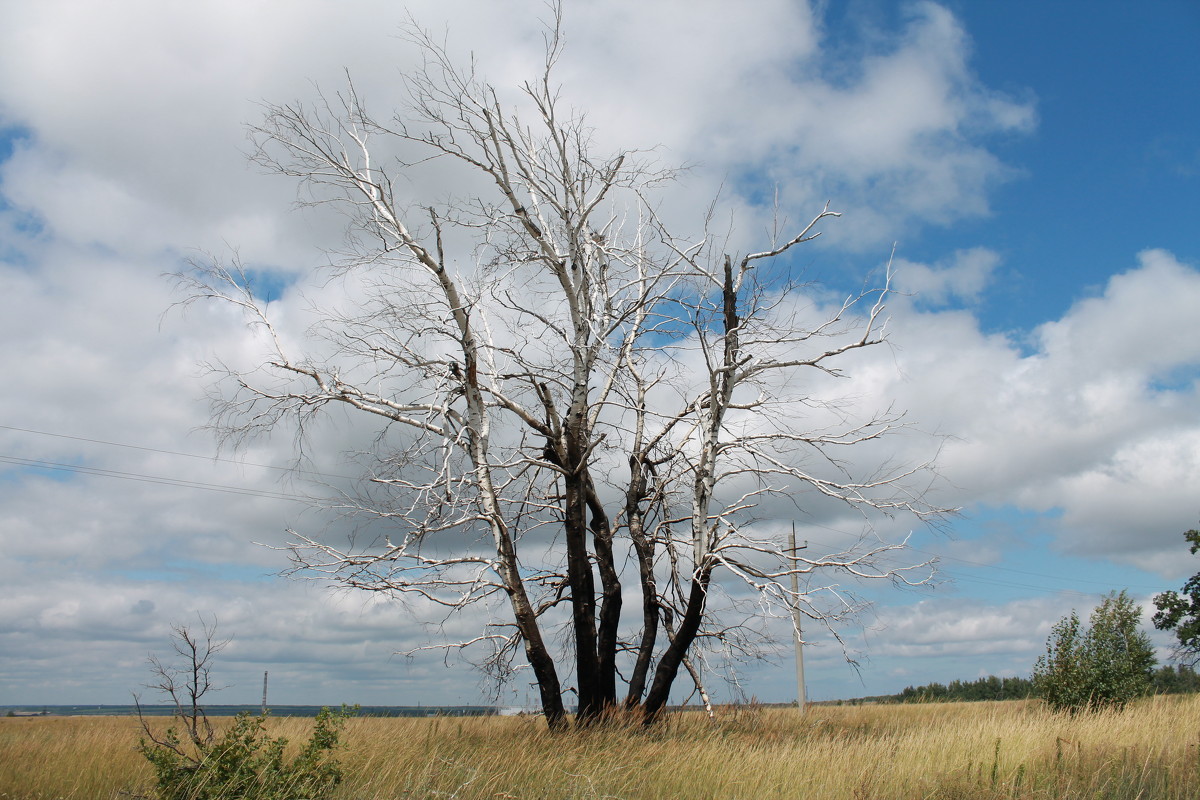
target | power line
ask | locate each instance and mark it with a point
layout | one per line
(982, 565)
(143, 478)
(1058, 585)
(214, 487)
(172, 452)
(980, 579)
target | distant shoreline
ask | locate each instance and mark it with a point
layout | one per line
(24, 711)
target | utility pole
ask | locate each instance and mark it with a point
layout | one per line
(264, 704)
(801, 695)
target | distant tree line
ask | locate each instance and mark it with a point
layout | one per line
(989, 688)
(1181, 679)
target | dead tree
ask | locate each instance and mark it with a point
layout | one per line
(185, 680)
(563, 386)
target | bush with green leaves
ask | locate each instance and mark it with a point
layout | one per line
(247, 763)
(1106, 664)
(193, 761)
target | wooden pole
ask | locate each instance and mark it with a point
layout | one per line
(264, 703)
(801, 695)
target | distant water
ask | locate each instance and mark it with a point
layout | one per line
(275, 711)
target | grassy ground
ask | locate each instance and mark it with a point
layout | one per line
(944, 751)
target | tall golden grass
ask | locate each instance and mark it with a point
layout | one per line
(943, 751)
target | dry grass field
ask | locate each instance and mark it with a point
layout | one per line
(954, 750)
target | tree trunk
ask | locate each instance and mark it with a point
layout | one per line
(668, 665)
(526, 618)
(644, 549)
(610, 603)
(583, 602)
(641, 668)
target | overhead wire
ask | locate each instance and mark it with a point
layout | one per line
(943, 557)
(241, 490)
(159, 479)
(143, 478)
(173, 452)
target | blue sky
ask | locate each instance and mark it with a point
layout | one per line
(1113, 163)
(1037, 166)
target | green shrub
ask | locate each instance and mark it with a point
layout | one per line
(246, 763)
(1108, 663)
